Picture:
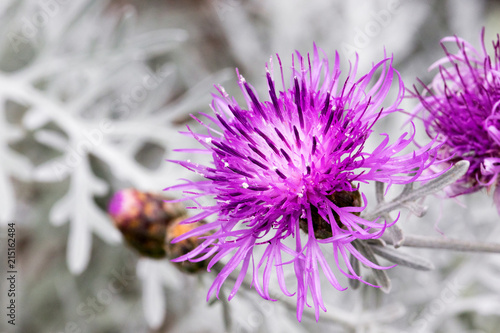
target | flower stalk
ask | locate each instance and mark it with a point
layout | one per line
(448, 244)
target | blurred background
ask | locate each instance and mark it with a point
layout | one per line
(93, 94)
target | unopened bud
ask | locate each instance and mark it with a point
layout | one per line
(143, 218)
(175, 250)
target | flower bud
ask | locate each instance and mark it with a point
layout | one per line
(143, 218)
(175, 250)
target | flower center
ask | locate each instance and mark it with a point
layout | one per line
(322, 228)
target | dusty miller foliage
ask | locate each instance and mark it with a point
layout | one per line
(86, 95)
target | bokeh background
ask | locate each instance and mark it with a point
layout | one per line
(92, 96)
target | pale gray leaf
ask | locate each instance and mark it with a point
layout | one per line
(53, 170)
(61, 210)
(98, 186)
(355, 265)
(415, 208)
(379, 191)
(433, 186)
(395, 234)
(35, 118)
(19, 165)
(79, 242)
(102, 226)
(52, 139)
(153, 298)
(401, 258)
(381, 277)
(437, 184)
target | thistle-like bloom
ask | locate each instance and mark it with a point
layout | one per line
(295, 162)
(462, 109)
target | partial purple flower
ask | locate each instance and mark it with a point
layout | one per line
(296, 161)
(462, 109)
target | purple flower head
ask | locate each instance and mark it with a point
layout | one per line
(286, 176)
(462, 109)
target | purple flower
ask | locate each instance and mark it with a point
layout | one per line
(293, 162)
(462, 109)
